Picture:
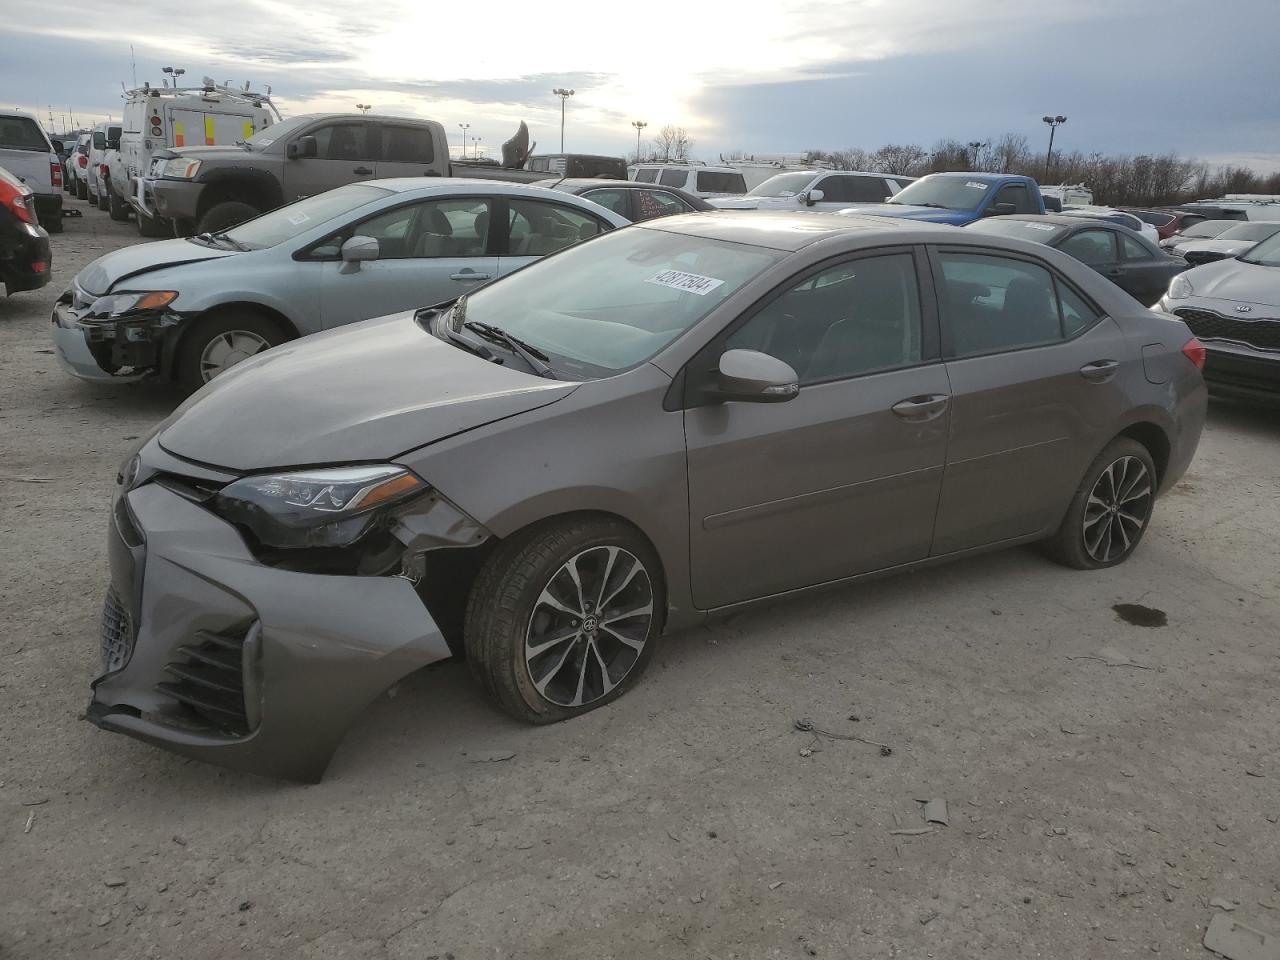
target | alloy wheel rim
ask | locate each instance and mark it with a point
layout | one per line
(1117, 509)
(589, 626)
(227, 349)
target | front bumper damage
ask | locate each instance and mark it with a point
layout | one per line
(124, 349)
(217, 656)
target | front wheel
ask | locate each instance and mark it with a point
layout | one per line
(1110, 511)
(217, 343)
(225, 215)
(152, 226)
(563, 619)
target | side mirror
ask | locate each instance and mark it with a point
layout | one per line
(302, 148)
(752, 376)
(813, 196)
(1001, 210)
(356, 249)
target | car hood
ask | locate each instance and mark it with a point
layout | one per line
(204, 152)
(105, 272)
(1228, 247)
(365, 392)
(753, 203)
(1236, 281)
(907, 212)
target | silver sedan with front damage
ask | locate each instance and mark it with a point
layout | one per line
(662, 424)
(187, 310)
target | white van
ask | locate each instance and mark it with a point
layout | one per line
(831, 190)
(697, 178)
(25, 151)
(156, 118)
(106, 139)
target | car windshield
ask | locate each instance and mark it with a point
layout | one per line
(1208, 228)
(1035, 230)
(1267, 253)
(1252, 232)
(951, 193)
(297, 218)
(611, 303)
(269, 135)
(783, 185)
(22, 133)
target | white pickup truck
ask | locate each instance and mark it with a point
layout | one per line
(25, 151)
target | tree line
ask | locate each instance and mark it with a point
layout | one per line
(1118, 180)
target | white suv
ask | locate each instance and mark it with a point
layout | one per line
(25, 151)
(696, 178)
(818, 190)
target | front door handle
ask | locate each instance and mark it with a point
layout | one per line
(921, 408)
(1100, 371)
(468, 275)
(362, 171)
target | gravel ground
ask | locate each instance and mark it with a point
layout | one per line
(1105, 780)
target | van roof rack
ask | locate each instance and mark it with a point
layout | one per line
(238, 94)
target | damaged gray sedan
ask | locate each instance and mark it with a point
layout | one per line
(660, 424)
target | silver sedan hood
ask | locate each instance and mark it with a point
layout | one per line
(366, 392)
(104, 273)
(1237, 281)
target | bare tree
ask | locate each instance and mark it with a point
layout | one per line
(672, 143)
(899, 159)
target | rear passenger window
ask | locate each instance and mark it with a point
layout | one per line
(674, 178)
(858, 317)
(1077, 315)
(658, 203)
(870, 190)
(647, 176)
(1091, 246)
(407, 145)
(1133, 249)
(992, 304)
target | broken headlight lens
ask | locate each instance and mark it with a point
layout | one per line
(130, 302)
(316, 508)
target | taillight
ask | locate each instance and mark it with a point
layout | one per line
(55, 173)
(1193, 350)
(103, 171)
(39, 266)
(83, 161)
(18, 201)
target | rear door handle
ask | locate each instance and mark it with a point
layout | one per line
(362, 171)
(1100, 371)
(468, 275)
(921, 408)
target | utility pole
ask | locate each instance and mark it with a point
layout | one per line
(639, 125)
(564, 95)
(465, 127)
(974, 147)
(1054, 123)
(364, 107)
(475, 147)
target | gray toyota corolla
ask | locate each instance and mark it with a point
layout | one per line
(654, 426)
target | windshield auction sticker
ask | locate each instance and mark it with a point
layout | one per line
(688, 282)
(976, 185)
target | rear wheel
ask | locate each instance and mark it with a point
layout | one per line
(82, 189)
(117, 208)
(55, 221)
(225, 215)
(217, 343)
(1110, 511)
(563, 619)
(104, 200)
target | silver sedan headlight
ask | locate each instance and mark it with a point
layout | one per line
(1180, 288)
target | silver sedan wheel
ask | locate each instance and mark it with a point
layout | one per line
(227, 349)
(1118, 508)
(589, 626)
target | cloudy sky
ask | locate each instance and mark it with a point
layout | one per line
(1200, 78)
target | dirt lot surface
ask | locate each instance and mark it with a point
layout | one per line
(1105, 780)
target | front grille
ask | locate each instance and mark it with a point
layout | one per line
(117, 633)
(1263, 334)
(209, 680)
(191, 488)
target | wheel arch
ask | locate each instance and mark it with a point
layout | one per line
(255, 187)
(1156, 441)
(174, 344)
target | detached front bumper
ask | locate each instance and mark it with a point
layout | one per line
(115, 351)
(215, 656)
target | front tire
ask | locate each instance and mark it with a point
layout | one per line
(217, 343)
(225, 215)
(1110, 510)
(563, 618)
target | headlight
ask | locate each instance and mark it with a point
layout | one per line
(1180, 288)
(130, 302)
(180, 168)
(315, 508)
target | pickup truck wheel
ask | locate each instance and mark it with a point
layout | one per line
(218, 342)
(152, 226)
(82, 190)
(117, 208)
(225, 215)
(104, 202)
(54, 224)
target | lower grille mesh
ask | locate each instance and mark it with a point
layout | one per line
(117, 633)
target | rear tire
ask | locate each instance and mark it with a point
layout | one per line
(82, 190)
(55, 222)
(104, 201)
(1110, 511)
(225, 215)
(539, 639)
(117, 208)
(220, 341)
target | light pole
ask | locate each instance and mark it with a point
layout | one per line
(475, 147)
(1054, 123)
(564, 95)
(974, 147)
(465, 127)
(364, 107)
(639, 125)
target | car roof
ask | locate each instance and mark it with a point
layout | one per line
(431, 185)
(975, 175)
(794, 230)
(1062, 219)
(589, 183)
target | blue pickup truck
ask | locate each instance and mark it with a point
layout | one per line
(960, 198)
